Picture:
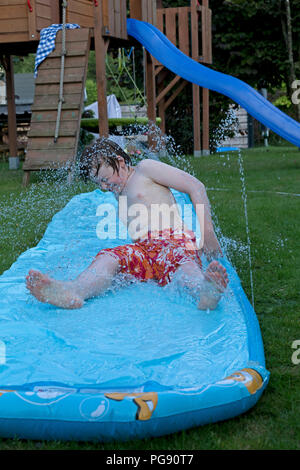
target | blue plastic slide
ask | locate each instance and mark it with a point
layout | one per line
(261, 109)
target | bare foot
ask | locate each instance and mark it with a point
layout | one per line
(54, 292)
(215, 283)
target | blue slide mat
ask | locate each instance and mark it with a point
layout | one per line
(139, 361)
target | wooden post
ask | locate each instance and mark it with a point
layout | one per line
(205, 121)
(100, 52)
(32, 29)
(161, 105)
(151, 97)
(196, 94)
(11, 110)
(26, 177)
(135, 9)
(205, 93)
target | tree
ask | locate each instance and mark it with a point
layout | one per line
(249, 43)
(288, 36)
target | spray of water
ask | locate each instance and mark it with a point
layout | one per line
(231, 122)
(244, 197)
(227, 126)
(24, 215)
(167, 150)
(134, 139)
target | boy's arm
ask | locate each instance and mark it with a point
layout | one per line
(171, 177)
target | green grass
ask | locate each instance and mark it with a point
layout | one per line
(275, 248)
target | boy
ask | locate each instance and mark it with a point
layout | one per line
(158, 251)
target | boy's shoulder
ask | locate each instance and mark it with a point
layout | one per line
(149, 163)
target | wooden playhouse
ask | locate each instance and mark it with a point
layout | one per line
(54, 130)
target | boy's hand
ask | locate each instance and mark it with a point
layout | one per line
(211, 247)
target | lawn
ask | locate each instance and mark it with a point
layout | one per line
(272, 179)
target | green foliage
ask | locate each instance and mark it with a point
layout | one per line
(121, 79)
(24, 64)
(248, 39)
(179, 119)
(92, 125)
(91, 91)
(283, 102)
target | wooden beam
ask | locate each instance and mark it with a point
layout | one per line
(100, 51)
(183, 33)
(175, 94)
(206, 51)
(196, 94)
(158, 69)
(161, 109)
(205, 120)
(11, 107)
(26, 178)
(32, 29)
(164, 72)
(135, 9)
(167, 89)
(151, 93)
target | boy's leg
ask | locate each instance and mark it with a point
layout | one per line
(206, 286)
(71, 294)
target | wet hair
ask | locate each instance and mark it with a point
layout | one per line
(102, 151)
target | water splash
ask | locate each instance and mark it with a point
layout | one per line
(229, 245)
(25, 213)
(167, 150)
(134, 139)
(244, 197)
(228, 127)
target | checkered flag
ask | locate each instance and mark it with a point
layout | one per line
(47, 42)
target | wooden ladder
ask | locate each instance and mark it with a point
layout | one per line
(42, 151)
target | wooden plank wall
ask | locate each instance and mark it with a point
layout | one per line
(20, 24)
(206, 35)
(115, 18)
(13, 21)
(81, 12)
(42, 151)
(168, 22)
(144, 10)
(149, 11)
(47, 13)
(175, 24)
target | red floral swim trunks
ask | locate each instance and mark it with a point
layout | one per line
(157, 257)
